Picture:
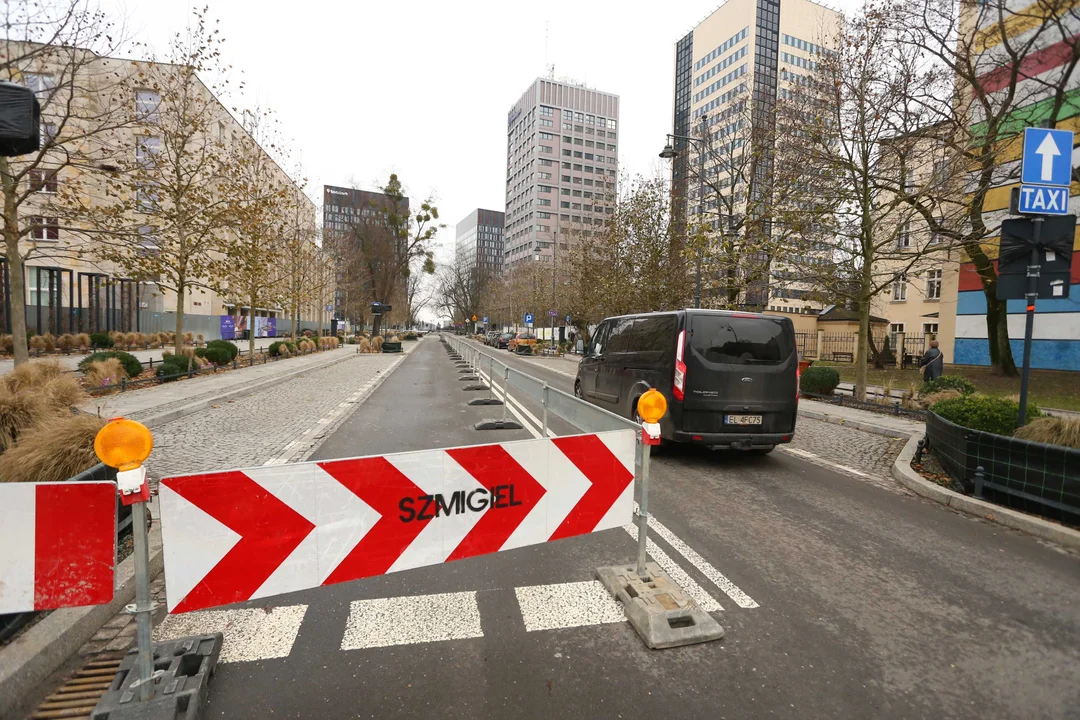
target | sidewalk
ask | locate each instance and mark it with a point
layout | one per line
(878, 423)
(159, 404)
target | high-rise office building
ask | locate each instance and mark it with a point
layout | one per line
(561, 167)
(729, 71)
(479, 241)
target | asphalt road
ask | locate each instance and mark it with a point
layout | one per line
(841, 597)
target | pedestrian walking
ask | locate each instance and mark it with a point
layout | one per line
(932, 362)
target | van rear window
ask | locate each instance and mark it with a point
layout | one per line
(740, 341)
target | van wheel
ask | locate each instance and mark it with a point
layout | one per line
(578, 393)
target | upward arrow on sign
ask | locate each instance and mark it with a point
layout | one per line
(240, 535)
(1048, 150)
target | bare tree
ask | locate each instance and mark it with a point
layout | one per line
(256, 244)
(170, 204)
(861, 138)
(380, 247)
(995, 68)
(60, 49)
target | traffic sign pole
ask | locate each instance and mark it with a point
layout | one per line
(1029, 325)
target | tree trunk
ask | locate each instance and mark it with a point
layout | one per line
(376, 324)
(251, 335)
(863, 340)
(16, 273)
(178, 344)
(997, 335)
(295, 313)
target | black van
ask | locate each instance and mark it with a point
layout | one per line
(731, 379)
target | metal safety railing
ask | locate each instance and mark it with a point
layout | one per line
(510, 382)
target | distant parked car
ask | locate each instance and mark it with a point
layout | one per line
(503, 340)
(521, 340)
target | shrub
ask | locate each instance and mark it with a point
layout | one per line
(225, 345)
(32, 375)
(819, 380)
(37, 343)
(105, 373)
(18, 412)
(925, 401)
(131, 364)
(1052, 431)
(82, 341)
(52, 451)
(948, 382)
(376, 343)
(65, 342)
(189, 337)
(217, 355)
(63, 392)
(979, 412)
(410, 335)
(7, 344)
(101, 340)
(363, 345)
(275, 348)
(173, 365)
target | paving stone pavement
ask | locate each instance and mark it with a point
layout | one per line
(858, 449)
(250, 430)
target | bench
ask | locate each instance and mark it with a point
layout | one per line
(843, 356)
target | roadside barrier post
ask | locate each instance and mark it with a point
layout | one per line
(506, 392)
(491, 378)
(545, 403)
(180, 685)
(661, 612)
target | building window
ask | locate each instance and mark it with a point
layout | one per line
(894, 330)
(544, 188)
(44, 228)
(41, 84)
(566, 166)
(577, 153)
(546, 136)
(546, 162)
(146, 197)
(899, 288)
(564, 191)
(933, 284)
(564, 205)
(577, 167)
(545, 149)
(930, 329)
(147, 105)
(43, 181)
(544, 122)
(146, 148)
(566, 178)
(579, 141)
(567, 126)
(545, 201)
(566, 152)
(546, 111)
(903, 237)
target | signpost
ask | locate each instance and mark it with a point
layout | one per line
(528, 319)
(1043, 242)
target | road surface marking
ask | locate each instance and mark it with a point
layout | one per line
(704, 566)
(250, 633)
(567, 605)
(845, 468)
(514, 406)
(800, 453)
(383, 622)
(704, 600)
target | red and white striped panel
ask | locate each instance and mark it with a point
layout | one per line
(244, 534)
(57, 545)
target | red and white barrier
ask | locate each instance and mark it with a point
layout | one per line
(244, 534)
(57, 545)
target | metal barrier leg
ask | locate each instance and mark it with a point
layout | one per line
(643, 513)
(545, 402)
(142, 609)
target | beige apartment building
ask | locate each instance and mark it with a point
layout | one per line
(562, 144)
(69, 285)
(730, 70)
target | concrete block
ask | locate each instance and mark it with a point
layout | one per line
(659, 610)
(498, 425)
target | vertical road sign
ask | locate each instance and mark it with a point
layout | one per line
(1047, 157)
(57, 545)
(528, 318)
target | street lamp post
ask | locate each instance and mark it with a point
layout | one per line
(670, 153)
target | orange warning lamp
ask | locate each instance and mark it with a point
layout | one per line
(123, 444)
(652, 406)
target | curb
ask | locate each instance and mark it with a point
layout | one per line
(199, 405)
(857, 424)
(1043, 529)
(38, 652)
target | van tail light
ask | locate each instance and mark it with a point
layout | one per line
(680, 369)
(798, 383)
